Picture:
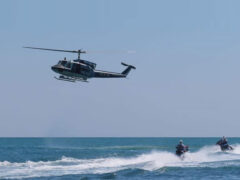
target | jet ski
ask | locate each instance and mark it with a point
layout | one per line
(224, 146)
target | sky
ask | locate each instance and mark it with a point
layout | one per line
(187, 81)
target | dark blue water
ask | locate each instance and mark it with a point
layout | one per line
(116, 158)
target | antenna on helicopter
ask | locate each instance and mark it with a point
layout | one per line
(59, 50)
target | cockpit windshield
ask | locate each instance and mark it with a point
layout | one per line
(63, 63)
(68, 64)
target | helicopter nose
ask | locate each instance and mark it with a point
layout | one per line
(55, 68)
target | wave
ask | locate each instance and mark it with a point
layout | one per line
(208, 156)
(108, 147)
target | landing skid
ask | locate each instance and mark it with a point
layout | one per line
(69, 79)
(82, 80)
(62, 78)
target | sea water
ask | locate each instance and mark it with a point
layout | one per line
(116, 158)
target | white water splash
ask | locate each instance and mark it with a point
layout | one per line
(208, 156)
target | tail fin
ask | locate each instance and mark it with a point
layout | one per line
(128, 69)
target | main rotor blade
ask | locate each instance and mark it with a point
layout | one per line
(111, 52)
(59, 50)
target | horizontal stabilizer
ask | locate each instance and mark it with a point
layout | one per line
(124, 64)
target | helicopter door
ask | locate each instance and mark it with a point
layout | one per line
(76, 68)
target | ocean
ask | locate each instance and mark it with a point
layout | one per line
(116, 158)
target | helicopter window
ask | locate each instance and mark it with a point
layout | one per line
(68, 65)
(62, 63)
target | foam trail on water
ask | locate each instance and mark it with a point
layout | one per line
(236, 149)
(208, 156)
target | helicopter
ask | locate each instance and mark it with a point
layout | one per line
(81, 70)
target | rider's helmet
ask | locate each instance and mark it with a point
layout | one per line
(181, 141)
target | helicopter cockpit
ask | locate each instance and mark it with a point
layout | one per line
(65, 63)
(62, 62)
(68, 64)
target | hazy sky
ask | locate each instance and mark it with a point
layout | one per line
(187, 81)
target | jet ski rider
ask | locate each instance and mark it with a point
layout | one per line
(223, 143)
(181, 148)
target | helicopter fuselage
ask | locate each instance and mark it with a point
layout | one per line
(79, 70)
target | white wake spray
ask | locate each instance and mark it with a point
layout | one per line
(208, 156)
